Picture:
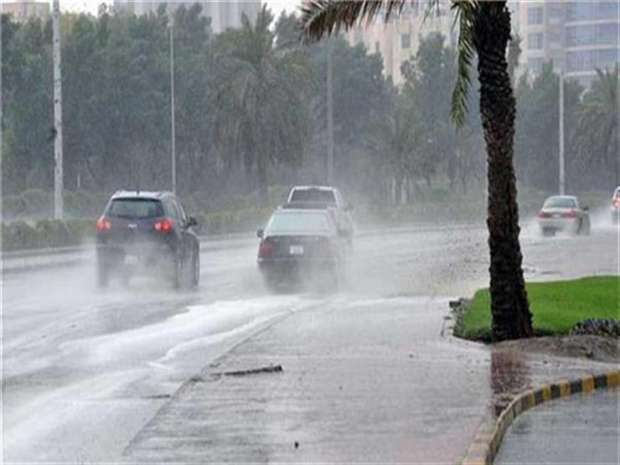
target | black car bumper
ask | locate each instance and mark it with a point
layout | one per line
(153, 258)
(297, 269)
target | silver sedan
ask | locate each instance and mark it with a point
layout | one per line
(563, 213)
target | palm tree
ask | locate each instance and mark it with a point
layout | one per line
(597, 129)
(394, 139)
(261, 87)
(484, 30)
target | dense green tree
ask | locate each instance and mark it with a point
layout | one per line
(537, 135)
(596, 138)
(395, 139)
(266, 87)
(27, 105)
(432, 72)
(484, 31)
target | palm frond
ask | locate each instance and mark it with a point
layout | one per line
(323, 17)
(466, 11)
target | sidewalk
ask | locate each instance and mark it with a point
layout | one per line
(579, 429)
(366, 381)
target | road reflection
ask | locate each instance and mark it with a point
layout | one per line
(510, 375)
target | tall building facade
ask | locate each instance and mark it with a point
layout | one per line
(23, 10)
(224, 14)
(398, 40)
(578, 36)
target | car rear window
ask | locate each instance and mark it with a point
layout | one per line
(560, 202)
(298, 222)
(313, 195)
(135, 208)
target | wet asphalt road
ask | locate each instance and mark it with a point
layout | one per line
(577, 430)
(85, 371)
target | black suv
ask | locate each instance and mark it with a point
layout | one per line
(147, 231)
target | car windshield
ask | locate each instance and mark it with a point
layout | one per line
(560, 202)
(289, 222)
(135, 208)
(313, 195)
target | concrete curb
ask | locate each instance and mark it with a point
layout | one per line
(488, 439)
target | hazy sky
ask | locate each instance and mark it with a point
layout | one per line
(91, 5)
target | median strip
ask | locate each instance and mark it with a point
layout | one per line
(488, 438)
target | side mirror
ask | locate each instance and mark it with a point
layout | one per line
(586, 209)
(260, 233)
(191, 221)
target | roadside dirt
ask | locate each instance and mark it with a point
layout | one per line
(598, 348)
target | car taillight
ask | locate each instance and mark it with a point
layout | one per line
(265, 249)
(164, 226)
(544, 215)
(103, 224)
(570, 214)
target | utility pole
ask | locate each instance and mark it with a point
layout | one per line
(58, 173)
(330, 113)
(561, 141)
(172, 109)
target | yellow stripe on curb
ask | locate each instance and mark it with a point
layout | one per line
(475, 462)
(613, 379)
(531, 399)
(587, 384)
(488, 438)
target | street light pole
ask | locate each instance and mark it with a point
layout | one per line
(330, 114)
(58, 172)
(561, 141)
(172, 108)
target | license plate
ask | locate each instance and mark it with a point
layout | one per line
(131, 260)
(556, 215)
(296, 250)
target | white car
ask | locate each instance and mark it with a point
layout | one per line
(563, 213)
(324, 197)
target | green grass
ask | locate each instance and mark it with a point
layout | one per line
(556, 306)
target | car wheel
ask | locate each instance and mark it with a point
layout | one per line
(584, 229)
(196, 270)
(272, 282)
(177, 274)
(548, 233)
(103, 276)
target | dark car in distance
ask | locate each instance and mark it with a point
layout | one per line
(302, 246)
(147, 232)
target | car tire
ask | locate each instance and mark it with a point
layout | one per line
(178, 273)
(103, 276)
(271, 282)
(548, 232)
(196, 270)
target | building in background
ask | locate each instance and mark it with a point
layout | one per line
(22, 11)
(399, 39)
(224, 14)
(578, 36)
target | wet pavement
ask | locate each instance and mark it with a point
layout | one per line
(363, 382)
(367, 374)
(579, 429)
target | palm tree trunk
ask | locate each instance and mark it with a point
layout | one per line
(509, 305)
